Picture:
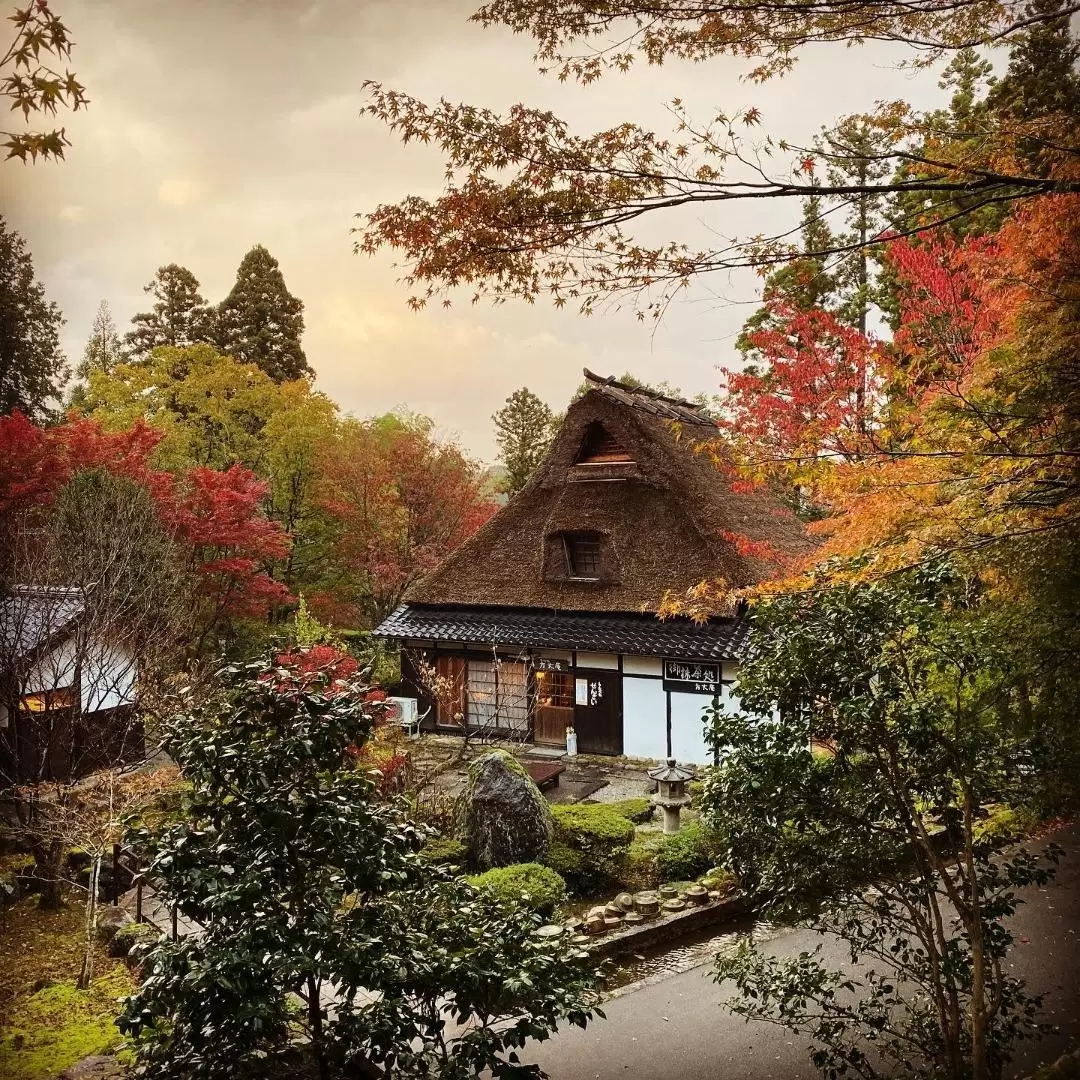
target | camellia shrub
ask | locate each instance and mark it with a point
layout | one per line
(308, 884)
(537, 887)
(590, 846)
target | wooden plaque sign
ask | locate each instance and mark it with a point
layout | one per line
(692, 677)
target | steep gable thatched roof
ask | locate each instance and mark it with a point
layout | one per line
(664, 517)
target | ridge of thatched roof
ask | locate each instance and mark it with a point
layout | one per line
(665, 518)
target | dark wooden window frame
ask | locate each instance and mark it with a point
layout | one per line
(584, 556)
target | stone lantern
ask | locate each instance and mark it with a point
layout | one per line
(672, 795)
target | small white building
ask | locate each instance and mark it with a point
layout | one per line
(66, 692)
(546, 619)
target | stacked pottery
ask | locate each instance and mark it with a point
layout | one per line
(647, 904)
(595, 921)
(697, 895)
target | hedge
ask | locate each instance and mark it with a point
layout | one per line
(539, 887)
(684, 856)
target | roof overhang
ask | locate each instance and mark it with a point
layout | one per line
(634, 635)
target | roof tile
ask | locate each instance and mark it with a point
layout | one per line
(635, 635)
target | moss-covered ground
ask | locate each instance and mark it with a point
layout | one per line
(46, 1024)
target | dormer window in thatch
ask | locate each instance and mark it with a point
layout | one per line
(600, 447)
(582, 556)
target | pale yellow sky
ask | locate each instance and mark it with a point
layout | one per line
(218, 124)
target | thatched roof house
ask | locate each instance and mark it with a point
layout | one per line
(572, 571)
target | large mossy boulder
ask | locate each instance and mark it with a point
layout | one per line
(501, 815)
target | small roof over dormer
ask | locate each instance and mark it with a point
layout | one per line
(662, 517)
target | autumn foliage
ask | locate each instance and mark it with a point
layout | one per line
(960, 433)
(214, 516)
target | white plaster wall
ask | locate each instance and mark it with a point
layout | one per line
(54, 671)
(644, 718)
(600, 660)
(642, 665)
(688, 728)
(108, 678)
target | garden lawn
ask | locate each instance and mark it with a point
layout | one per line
(46, 1024)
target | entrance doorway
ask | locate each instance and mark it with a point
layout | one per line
(598, 711)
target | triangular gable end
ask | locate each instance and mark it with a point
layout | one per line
(601, 447)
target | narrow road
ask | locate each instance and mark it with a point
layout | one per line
(678, 1027)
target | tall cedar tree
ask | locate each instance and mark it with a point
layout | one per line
(1042, 79)
(804, 283)
(180, 316)
(33, 369)
(524, 427)
(261, 322)
(104, 351)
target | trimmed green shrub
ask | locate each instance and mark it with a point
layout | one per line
(641, 870)
(445, 851)
(590, 846)
(538, 887)
(656, 858)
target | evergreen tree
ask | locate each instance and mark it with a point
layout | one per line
(180, 316)
(33, 369)
(524, 428)
(1042, 83)
(103, 352)
(804, 283)
(855, 156)
(260, 322)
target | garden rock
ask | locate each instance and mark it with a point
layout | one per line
(110, 920)
(501, 815)
(95, 1067)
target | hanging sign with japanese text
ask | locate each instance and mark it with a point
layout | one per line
(692, 677)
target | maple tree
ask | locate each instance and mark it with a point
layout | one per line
(531, 209)
(218, 412)
(32, 87)
(214, 516)
(401, 501)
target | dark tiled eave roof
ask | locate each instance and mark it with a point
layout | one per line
(635, 635)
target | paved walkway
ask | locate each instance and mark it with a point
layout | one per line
(678, 1027)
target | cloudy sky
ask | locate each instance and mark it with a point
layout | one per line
(218, 124)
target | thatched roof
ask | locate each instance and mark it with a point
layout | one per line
(662, 514)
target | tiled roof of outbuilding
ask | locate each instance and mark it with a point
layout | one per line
(33, 615)
(634, 635)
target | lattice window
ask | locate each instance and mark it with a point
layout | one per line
(497, 694)
(582, 555)
(555, 689)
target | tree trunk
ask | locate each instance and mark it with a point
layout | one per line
(48, 856)
(86, 972)
(315, 1023)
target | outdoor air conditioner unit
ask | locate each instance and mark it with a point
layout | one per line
(403, 710)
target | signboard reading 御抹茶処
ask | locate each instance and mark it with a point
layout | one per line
(692, 677)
